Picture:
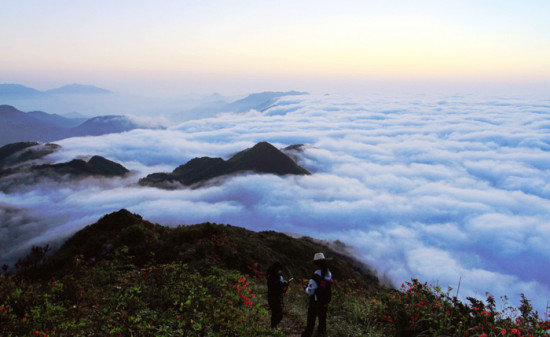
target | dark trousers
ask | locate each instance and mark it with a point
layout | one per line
(276, 313)
(316, 310)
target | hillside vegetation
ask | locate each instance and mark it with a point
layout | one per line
(125, 276)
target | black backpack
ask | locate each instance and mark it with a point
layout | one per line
(324, 289)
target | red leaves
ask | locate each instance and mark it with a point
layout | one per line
(415, 317)
(244, 292)
(219, 241)
(255, 272)
(421, 307)
(387, 318)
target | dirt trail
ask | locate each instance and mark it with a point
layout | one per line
(292, 325)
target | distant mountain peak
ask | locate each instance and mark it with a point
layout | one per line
(9, 110)
(108, 118)
(80, 89)
(101, 125)
(96, 166)
(261, 158)
(25, 164)
(265, 158)
(10, 150)
(17, 126)
(215, 95)
(259, 101)
(18, 90)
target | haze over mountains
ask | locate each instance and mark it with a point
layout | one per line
(19, 126)
(8, 91)
(256, 101)
(91, 101)
(78, 89)
(54, 117)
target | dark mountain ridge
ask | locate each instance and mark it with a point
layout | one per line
(16, 154)
(261, 158)
(11, 114)
(95, 166)
(19, 126)
(55, 119)
(152, 243)
(8, 111)
(23, 165)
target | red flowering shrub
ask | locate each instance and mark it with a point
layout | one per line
(420, 309)
(147, 301)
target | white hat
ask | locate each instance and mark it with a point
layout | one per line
(319, 256)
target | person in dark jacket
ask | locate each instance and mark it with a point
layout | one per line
(276, 287)
(319, 292)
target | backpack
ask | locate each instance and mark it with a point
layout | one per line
(324, 289)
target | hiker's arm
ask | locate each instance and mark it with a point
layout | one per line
(311, 286)
(283, 285)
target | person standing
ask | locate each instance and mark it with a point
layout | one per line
(319, 290)
(276, 287)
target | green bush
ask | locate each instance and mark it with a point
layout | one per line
(163, 300)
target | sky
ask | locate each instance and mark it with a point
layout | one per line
(236, 47)
(443, 189)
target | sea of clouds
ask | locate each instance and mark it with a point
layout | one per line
(445, 189)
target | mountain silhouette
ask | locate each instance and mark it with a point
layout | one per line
(17, 90)
(78, 89)
(8, 150)
(16, 154)
(259, 101)
(56, 120)
(104, 125)
(96, 166)
(21, 91)
(261, 158)
(22, 165)
(256, 101)
(264, 158)
(19, 126)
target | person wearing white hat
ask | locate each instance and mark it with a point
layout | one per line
(320, 293)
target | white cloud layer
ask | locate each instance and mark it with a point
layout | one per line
(438, 189)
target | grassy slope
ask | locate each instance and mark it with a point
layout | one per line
(126, 276)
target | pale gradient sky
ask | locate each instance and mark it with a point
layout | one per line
(240, 46)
